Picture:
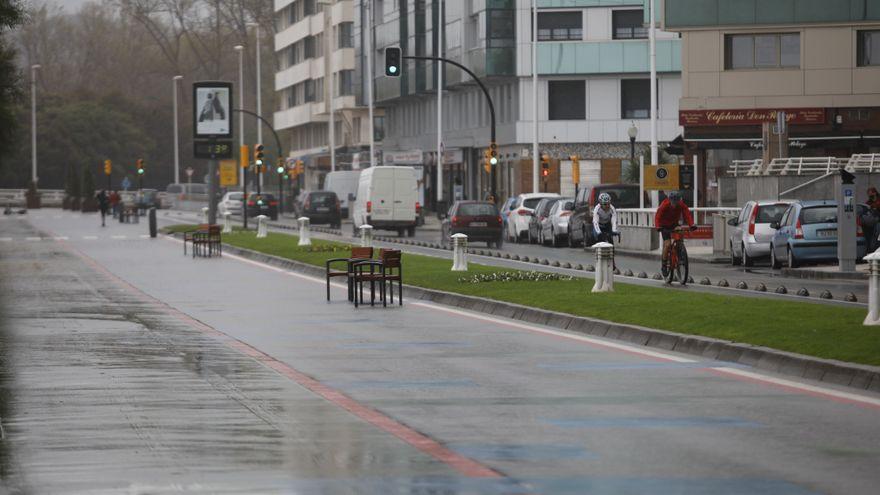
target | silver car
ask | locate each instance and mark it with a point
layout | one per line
(751, 233)
(230, 203)
(554, 227)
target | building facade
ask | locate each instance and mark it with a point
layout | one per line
(744, 61)
(313, 39)
(593, 66)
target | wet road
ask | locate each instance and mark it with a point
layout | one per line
(129, 368)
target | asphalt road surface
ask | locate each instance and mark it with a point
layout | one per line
(130, 368)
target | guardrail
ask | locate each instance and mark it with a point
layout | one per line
(869, 162)
(644, 217)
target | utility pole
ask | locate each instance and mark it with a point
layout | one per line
(34, 177)
(369, 72)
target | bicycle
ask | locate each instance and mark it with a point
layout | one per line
(677, 267)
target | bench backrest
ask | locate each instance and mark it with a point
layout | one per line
(361, 253)
(390, 257)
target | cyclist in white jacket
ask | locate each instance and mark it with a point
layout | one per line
(605, 219)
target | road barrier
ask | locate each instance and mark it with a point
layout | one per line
(873, 317)
(604, 267)
(304, 235)
(366, 235)
(459, 253)
(262, 228)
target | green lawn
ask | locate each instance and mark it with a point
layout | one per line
(820, 330)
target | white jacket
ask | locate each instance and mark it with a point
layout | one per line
(601, 216)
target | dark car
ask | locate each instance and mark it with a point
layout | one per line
(479, 220)
(542, 210)
(322, 207)
(262, 204)
(580, 226)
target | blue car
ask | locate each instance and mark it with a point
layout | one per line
(807, 232)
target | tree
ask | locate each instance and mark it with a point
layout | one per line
(71, 188)
(89, 203)
(11, 15)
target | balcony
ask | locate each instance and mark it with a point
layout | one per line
(607, 57)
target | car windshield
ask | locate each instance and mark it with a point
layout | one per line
(323, 199)
(770, 213)
(621, 197)
(532, 202)
(568, 205)
(819, 214)
(548, 206)
(235, 196)
(477, 209)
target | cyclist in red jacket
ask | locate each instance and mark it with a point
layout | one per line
(671, 210)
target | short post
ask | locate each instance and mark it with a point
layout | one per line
(459, 253)
(366, 235)
(227, 225)
(873, 318)
(262, 228)
(152, 222)
(604, 267)
(304, 237)
(204, 214)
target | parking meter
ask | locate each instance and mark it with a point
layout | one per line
(846, 221)
(153, 221)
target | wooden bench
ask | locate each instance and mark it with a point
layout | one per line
(206, 241)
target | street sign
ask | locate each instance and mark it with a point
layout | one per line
(214, 149)
(661, 177)
(126, 183)
(228, 173)
(189, 171)
(212, 110)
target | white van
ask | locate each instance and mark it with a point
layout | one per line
(387, 199)
(345, 184)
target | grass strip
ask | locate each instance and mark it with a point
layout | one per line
(825, 331)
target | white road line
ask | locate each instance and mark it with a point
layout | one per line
(814, 390)
(145, 236)
(33, 238)
(90, 237)
(61, 238)
(119, 236)
(5, 239)
(56, 217)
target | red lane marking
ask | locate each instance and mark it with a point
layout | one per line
(465, 466)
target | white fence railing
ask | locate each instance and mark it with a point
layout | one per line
(54, 197)
(644, 217)
(817, 165)
(743, 168)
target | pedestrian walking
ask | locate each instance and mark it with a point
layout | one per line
(104, 205)
(114, 203)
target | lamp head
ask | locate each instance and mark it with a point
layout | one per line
(633, 131)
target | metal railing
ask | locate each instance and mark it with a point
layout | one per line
(644, 217)
(817, 165)
(869, 162)
(743, 168)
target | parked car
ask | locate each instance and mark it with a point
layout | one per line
(554, 227)
(542, 211)
(506, 209)
(479, 220)
(345, 184)
(230, 203)
(322, 207)
(147, 198)
(387, 199)
(518, 219)
(580, 224)
(262, 204)
(750, 232)
(807, 232)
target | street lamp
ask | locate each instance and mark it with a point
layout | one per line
(34, 122)
(256, 27)
(240, 50)
(176, 139)
(328, 77)
(633, 132)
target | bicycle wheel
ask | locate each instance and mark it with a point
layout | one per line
(669, 276)
(681, 269)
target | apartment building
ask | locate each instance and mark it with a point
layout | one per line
(743, 61)
(593, 66)
(314, 38)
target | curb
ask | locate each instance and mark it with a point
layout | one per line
(861, 377)
(822, 275)
(714, 260)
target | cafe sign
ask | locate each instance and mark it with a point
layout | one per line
(692, 118)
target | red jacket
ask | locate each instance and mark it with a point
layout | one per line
(668, 214)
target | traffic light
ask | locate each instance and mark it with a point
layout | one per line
(575, 169)
(545, 165)
(487, 161)
(140, 166)
(258, 157)
(392, 61)
(493, 153)
(108, 167)
(243, 156)
(299, 167)
(280, 167)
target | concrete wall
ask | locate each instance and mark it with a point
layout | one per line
(638, 238)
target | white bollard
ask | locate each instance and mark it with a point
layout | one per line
(873, 317)
(227, 225)
(604, 267)
(204, 214)
(366, 235)
(459, 253)
(262, 228)
(304, 237)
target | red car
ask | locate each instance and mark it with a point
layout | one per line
(479, 220)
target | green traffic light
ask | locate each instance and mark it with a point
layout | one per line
(392, 69)
(493, 161)
(140, 171)
(259, 201)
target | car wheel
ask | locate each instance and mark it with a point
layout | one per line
(499, 243)
(587, 240)
(410, 231)
(774, 263)
(746, 259)
(734, 259)
(553, 239)
(792, 261)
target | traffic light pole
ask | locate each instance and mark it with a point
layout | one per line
(244, 208)
(277, 141)
(280, 194)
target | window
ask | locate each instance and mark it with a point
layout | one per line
(762, 51)
(309, 91)
(344, 39)
(869, 48)
(502, 28)
(560, 26)
(629, 24)
(309, 47)
(567, 100)
(635, 98)
(378, 128)
(345, 83)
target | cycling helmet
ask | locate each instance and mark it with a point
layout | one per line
(674, 196)
(604, 199)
